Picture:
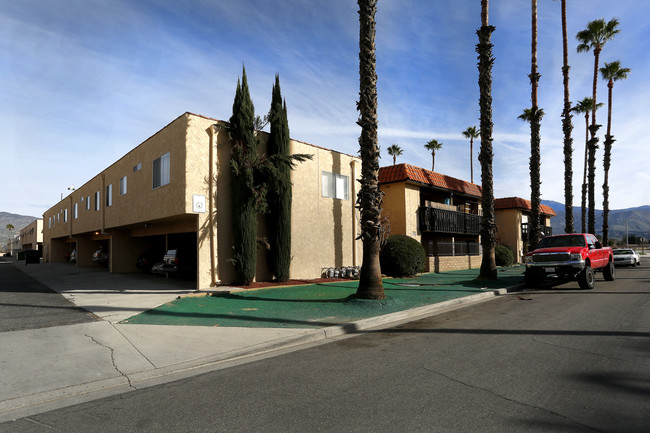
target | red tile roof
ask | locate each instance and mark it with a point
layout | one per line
(410, 173)
(521, 203)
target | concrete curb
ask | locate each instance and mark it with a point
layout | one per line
(54, 399)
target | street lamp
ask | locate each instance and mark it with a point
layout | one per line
(627, 237)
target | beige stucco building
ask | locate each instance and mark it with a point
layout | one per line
(511, 216)
(159, 196)
(31, 236)
(441, 212)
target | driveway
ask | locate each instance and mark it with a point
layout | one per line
(27, 304)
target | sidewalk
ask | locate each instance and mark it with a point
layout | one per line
(156, 330)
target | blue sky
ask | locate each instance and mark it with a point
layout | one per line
(85, 81)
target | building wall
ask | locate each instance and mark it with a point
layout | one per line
(508, 223)
(401, 203)
(455, 263)
(323, 229)
(32, 235)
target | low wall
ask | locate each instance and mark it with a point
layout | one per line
(453, 263)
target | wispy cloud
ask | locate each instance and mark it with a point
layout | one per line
(84, 81)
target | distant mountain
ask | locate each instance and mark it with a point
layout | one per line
(18, 221)
(638, 220)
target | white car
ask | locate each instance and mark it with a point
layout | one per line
(626, 257)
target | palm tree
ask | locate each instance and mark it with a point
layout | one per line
(432, 146)
(610, 72)
(394, 150)
(534, 116)
(369, 199)
(488, 269)
(531, 115)
(10, 228)
(472, 132)
(594, 37)
(567, 128)
(585, 107)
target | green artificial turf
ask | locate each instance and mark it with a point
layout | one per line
(320, 305)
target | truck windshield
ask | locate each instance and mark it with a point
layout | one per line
(562, 241)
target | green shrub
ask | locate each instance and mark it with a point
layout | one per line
(402, 256)
(503, 255)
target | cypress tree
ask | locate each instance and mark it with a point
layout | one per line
(244, 213)
(279, 196)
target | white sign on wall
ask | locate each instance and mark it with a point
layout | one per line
(198, 203)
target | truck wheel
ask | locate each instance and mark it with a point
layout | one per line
(609, 272)
(586, 278)
(532, 277)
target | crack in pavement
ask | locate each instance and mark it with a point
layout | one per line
(113, 360)
(134, 346)
(503, 397)
(42, 424)
(559, 346)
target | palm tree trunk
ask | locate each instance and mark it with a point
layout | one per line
(584, 177)
(535, 158)
(567, 127)
(433, 161)
(609, 140)
(593, 145)
(369, 200)
(471, 159)
(488, 269)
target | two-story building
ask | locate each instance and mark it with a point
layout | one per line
(441, 212)
(173, 192)
(31, 236)
(512, 216)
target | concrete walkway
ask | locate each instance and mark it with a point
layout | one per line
(48, 368)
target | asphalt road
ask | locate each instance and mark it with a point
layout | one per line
(552, 360)
(27, 304)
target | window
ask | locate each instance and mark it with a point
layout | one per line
(123, 185)
(137, 167)
(109, 195)
(65, 215)
(49, 222)
(97, 200)
(58, 217)
(161, 171)
(75, 211)
(335, 185)
(88, 203)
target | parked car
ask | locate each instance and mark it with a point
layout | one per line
(176, 262)
(569, 257)
(626, 257)
(148, 259)
(100, 256)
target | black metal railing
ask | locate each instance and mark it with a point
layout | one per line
(446, 221)
(463, 248)
(546, 230)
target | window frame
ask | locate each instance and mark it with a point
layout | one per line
(123, 186)
(109, 195)
(334, 181)
(161, 171)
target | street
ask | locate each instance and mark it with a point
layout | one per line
(557, 359)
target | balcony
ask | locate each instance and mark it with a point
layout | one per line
(447, 221)
(545, 230)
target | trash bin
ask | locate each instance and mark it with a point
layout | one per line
(32, 256)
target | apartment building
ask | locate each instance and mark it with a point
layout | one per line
(172, 192)
(512, 216)
(441, 212)
(31, 236)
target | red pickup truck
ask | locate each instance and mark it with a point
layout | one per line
(569, 257)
